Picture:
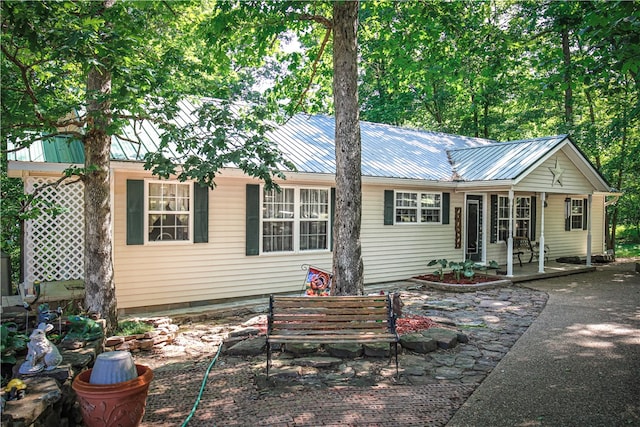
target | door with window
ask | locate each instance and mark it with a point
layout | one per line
(474, 235)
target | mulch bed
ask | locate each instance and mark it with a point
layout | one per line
(450, 279)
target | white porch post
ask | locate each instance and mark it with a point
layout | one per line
(543, 197)
(510, 237)
(590, 199)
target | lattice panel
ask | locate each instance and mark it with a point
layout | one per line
(54, 247)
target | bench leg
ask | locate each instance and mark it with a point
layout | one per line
(268, 357)
(396, 351)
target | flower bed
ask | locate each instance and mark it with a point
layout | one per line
(450, 283)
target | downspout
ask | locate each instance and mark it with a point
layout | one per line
(510, 237)
(543, 197)
(589, 230)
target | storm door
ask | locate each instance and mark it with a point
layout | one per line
(474, 235)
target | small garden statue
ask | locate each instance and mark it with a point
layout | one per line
(42, 354)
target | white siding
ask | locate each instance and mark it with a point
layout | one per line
(573, 181)
(181, 273)
(395, 252)
(178, 274)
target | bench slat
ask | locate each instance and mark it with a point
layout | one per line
(330, 327)
(378, 311)
(329, 317)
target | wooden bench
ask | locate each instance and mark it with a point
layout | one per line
(331, 320)
(523, 245)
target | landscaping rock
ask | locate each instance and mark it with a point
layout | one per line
(249, 347)
(445, 338)
(301, 348)
(377, 350)
(344, 351)
(418, 342)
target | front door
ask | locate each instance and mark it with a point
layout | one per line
(474, 246)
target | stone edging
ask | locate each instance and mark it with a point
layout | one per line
(462, 288)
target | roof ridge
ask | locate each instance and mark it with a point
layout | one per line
(402, 128)
(561, 137)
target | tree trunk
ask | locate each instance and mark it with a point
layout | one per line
(347, 255)
(98, 264)
(568, 91)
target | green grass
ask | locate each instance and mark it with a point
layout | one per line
(628, 250)
(627, 234)
(130, 327)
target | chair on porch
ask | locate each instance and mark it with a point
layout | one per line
(535, 251)
(519, 246)
(524, 245)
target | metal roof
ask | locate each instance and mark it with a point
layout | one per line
(387, 151)
(308, 142)
(501, 161)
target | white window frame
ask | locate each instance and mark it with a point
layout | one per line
(520, 218)
(147, 213)
(577, 211)
(297, 220)
(414, 205)
(503, 221)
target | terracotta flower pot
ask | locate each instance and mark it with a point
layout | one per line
(120, 404)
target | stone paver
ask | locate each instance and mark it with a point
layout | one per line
(314, 389)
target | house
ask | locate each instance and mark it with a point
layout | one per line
(426, 195)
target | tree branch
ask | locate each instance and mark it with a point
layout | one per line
(317, 18)
(31, 197)
(25, 79)
(327, 35)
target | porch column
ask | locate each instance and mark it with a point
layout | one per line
(510, 237)
(543, 200)
(590, 199)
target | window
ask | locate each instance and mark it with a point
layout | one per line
(577, 214)
(503, 218)
(522, 217)
(295, 220)
(169, 210)
(430, 206)
(418, 207)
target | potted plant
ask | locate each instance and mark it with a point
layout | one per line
(105, 399)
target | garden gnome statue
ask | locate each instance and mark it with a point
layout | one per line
(42, 354)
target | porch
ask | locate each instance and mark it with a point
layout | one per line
(529, 271)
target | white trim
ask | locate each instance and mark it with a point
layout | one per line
(190, 213)
(418, 207)
(296, 220)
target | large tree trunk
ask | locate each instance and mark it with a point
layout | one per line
(98, 264)
(568, 91)
(347, 255)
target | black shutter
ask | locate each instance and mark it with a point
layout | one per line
(333, 213)
(533, 218)
(493, 214)
(252, 228)
(200, 213)
(585, 213)
(445, 207)
(388, 207)
(135, 212)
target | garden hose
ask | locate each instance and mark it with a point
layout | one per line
(202, 386)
